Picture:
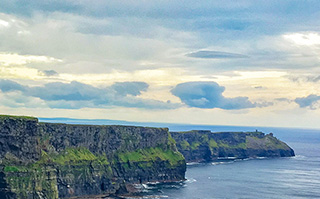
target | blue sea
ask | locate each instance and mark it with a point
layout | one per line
(272, 178)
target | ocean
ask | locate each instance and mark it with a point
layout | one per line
(271, 178)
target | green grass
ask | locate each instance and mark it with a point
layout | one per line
(11, 169)
(195, 145)
(171, 140)
(151, 154)
(204, 139)
(185, 145)
(76, 156)
(17, 117)
(242, 145)
(213, 143)
(73, 156)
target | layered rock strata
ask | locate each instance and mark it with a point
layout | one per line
(48, 161)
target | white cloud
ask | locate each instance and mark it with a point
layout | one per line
(4, 23)
(304, 39)
(7, 59)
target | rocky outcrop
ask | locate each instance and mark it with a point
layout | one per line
(46, 160)
(202, 146)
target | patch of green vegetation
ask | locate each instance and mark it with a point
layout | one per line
(204, 139)
(2, 117)
(145, 164)
(151, 154)
(255, 138)
(272, 142)
(242, 145)
(35, 178)
(171, 140)
(268, 142)
(213, 143)
(75, 156)
(72, 156)
(32, 182)
(185, 145)
(11, 169)
(195, 145)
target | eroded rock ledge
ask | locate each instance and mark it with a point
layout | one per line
(48, 161)
(203, 146)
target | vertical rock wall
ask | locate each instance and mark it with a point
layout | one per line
(44, 160)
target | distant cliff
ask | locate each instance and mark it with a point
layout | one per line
(48, 161)
(201, 146)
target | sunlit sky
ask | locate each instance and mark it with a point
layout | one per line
(250, 63)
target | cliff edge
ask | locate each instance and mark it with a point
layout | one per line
(48, 161)
(204, 146)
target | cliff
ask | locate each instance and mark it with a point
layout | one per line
(202, 146)
(47, 161)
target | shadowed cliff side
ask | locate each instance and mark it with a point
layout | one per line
(202, 146)
(46, 160)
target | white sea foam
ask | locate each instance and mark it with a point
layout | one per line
(191, 180)
(192, 163)
(298, 157)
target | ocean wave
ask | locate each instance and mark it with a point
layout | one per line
(146, 196)
(261, 158)
(222, 162)
(192, 163)
(191, 180)
(299, 157)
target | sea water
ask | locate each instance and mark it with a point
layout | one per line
(275, 178)
(279, 178)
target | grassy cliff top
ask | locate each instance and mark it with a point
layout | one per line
(2, 117)
(102, 125)
(209, 132)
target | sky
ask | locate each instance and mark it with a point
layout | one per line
(245, 63)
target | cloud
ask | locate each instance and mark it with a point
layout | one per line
(129, 88)
(304, 78)
(263, 104)
(8, 59)
(283, 99)
(75, 95)
(310, 101)
(48, 73)
(131, 101)
(209, 95)
(205, 54)
(260, 87)
(304, 39)
(313, 78)
(8, 86)
(19, 100)
(74, 91)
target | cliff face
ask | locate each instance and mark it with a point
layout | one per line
(200, 146)
(43, 160)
